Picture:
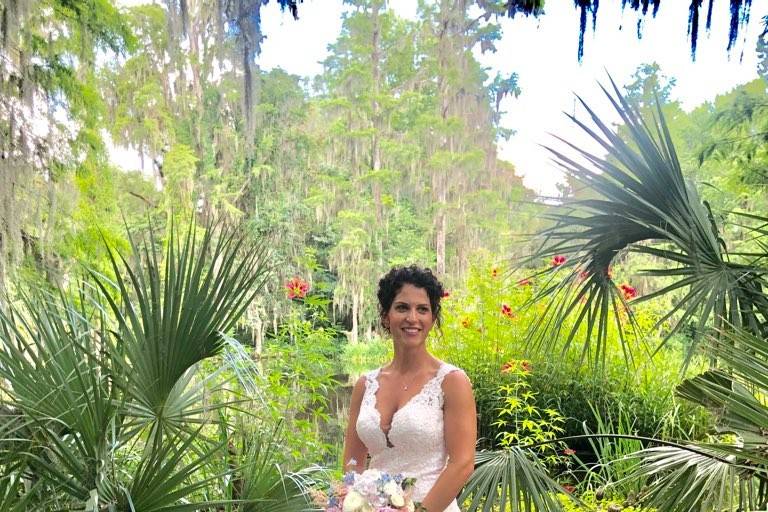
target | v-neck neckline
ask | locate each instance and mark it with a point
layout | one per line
(406, 404)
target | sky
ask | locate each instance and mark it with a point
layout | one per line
(543, 54)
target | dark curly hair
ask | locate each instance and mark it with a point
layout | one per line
(393, 281)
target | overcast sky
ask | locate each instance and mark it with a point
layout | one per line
(543, 53)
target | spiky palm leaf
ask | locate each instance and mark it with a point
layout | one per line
(266, 487)
(733, 471)
(510, 479)
(645, 205)
(76, 387)
(174, 313)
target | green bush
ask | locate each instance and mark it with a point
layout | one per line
(484, 326)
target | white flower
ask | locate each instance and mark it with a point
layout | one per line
(397, 500)
(409, 506)
(354, 502)
(391, 488)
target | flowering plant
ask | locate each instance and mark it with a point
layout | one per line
(372, 491)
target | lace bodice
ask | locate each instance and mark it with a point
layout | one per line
(416, 446)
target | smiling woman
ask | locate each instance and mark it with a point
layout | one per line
(416, 415)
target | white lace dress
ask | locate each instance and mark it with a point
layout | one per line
(415, 445)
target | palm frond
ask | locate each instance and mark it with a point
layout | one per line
(686, 481)
(510, 479)
(172, 313)
(266, 486)
(644, 205)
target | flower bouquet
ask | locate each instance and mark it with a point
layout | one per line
(372, 491)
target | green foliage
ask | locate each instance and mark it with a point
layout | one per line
(591, 502)
(522, 423)
(480, 335)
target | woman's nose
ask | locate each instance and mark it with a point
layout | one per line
(412, 315)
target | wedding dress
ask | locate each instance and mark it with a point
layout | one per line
(415, 444)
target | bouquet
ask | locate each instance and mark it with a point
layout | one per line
(372, 491)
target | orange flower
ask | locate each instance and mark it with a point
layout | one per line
(509, 366)
(296, 288)
(466, 322)
(494, 272)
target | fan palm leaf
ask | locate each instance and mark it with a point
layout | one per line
(510, 479)
(645, 205)
(731, 472)
(174, 313)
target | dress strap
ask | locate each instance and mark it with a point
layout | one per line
(371, 385)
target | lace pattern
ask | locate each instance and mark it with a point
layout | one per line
(415, 444)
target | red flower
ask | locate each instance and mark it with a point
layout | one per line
(584, 274)
(526, 366)
(509, 366)
(568, 488)
(569, 451)
(525, 282)
(445, 294)
(507, 311)
(629, 292)
(296, 288)
(558, 260)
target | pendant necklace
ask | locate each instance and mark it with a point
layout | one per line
(413, 379)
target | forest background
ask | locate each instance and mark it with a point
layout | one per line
(389, 156)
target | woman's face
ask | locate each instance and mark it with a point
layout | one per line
(410, 317)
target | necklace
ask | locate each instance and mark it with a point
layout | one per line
(410, 382)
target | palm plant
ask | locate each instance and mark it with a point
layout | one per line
(643, 204)
(102, 406)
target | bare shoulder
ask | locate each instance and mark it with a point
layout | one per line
(456, 383)
(358, 390)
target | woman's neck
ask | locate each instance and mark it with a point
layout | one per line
(409, 361)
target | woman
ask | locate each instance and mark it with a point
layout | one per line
(416, 415)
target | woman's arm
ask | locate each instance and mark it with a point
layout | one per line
(355, 452)
(460, 427)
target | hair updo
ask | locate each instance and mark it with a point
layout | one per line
(393, 281)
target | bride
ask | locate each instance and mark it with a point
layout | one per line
(416, 415)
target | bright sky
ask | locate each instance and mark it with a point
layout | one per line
(543, 53)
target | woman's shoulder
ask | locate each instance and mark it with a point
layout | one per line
(453, 376)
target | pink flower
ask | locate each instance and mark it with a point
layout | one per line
(558, 260)
(296, 288)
